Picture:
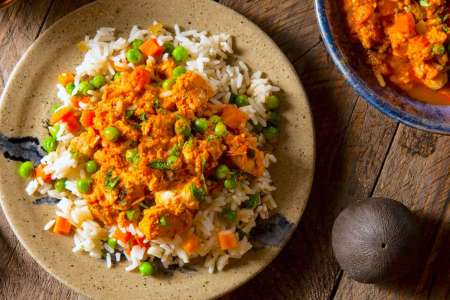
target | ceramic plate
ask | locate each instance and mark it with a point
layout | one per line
(28, 98)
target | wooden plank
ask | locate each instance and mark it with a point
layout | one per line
(306, 269)
(416, 173)
(22, 277)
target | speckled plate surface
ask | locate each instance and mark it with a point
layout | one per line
(31, 91)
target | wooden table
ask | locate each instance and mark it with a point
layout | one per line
(360, 153)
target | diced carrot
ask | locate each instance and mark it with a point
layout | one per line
(47, 178)
(123, 237)
(140, 241)
(62, 226)
(233, 117)
(120, 68)
(191, 244)
(60, 114)
(151, 48)
(405, 23)
(65, 78)
(87, 118)
(227, 240)
(72, 122)
(75, 100)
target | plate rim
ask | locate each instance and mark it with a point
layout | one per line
(308, 112)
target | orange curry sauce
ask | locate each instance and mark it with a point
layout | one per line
(407, 42)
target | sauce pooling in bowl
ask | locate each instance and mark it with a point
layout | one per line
(406, 42)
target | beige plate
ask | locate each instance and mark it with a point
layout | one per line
(31, 91)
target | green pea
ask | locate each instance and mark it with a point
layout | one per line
(136, 43)
(274, 117)
(116, 75)
(270, 133)
(172, 159)
(112, 134)
(183, 127)
(91, 166)
(132, 214)
(241, 100)
(201, 124)
(222, 172)
(54, 130)
(147, 269)
(132, 155)
(84, 87)
(98, 81)
(25, 169)
(229, 214)
(168, 47)
(60, 185)
(49, 144)
(54, 107)
(230, 183)
(253, 201)
(70, 87)
(220, 130)
(272, 102)
(84, 185)
(167, 84)
(215, 119)
(178, 71)
(112, 243)
(180, 53)
(134, 55)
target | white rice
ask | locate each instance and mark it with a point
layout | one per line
(209, 54)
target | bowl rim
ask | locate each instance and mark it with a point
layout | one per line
(359, 85)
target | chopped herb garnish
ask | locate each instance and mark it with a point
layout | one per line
(111, 182)
(143, 117)
(158, 164)
(163, 221)
(156, 103)
(175, 150)
(197, 193)
(129, 114)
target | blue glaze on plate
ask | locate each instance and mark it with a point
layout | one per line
(389, 101)
(46, 200)
(273, 231)
(21, 148)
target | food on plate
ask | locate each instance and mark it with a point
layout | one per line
(405, 42)
(158, 150)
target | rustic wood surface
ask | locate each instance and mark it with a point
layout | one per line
(360, 153)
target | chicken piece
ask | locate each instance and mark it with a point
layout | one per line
(244, 154)
(181, 196)
(165, 221)
(85, 143)
(192, 93)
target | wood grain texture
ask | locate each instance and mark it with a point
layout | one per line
(416, 172)
(359, 153)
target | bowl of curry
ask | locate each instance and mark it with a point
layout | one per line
(395, 54)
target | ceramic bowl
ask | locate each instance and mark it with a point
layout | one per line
(25, 107)
(394, 104)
